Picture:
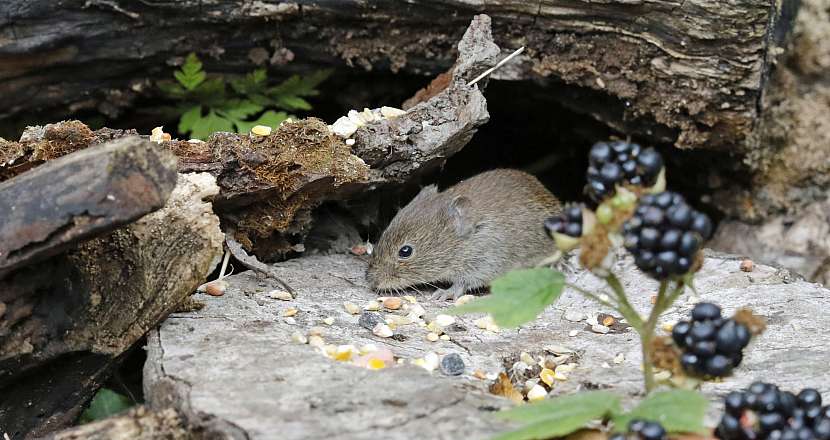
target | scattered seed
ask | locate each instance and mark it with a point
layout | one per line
(526, 358)
(195, 141)
(329, 320)
(574, 315)
(410, 298)
(435, 328)
(464, 300)
(478, 374)
(345, 352)
(592, 319)
(351, 308)
(299, 338)
(291, 311)
(573, 333)
(289, 320)
(372, 306)
(445, 337)
(157, 135)
(547, 376)
(605, 365)
(382, 330)
(392, 303)
(432, 337)
(375, 364)
(391, 112)
(216, 288)
(452, 364)
(538, 392)
(444, 320)
(316, 341)
(668, 327)
(343, 127)
(261, 130)
(417, 310)
(368, 348)
(601, 329)
(747, 265)
(350, 142)
(663, 375)
(619, 358)
(281, 295)
(608, 321)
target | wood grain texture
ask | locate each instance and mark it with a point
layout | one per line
(685, 71)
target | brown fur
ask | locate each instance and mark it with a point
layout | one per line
(468, 235)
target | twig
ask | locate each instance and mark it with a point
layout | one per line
(499, 64)
(224, 265)
(251, 261)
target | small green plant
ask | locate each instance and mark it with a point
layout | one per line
(105, 403)
(664, 235)
(214, 103)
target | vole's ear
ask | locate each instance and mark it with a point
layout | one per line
(458, 212)
(425, 192)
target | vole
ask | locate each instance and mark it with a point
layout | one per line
(468, 234)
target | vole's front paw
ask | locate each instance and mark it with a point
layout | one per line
(444, 294)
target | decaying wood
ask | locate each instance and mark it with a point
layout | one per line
(79, 196)
(67, 320)
(271, 184)
(281, 386)
(690, 71)
(137, 424)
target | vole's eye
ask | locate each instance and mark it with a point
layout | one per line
(405, 251)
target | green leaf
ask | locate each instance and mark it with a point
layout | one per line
(191, 73)
(251, 83)
(240, 109)
(105, 403)
(270, 118)
(518, 297)
(677, 410)
(559, 416)
(293, 103)
(189, 119)
(300, 86)
(210, 124)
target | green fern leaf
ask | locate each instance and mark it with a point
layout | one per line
(189, 119)
(293, 103)
(252, 83)
(207, 125)
(240, 109)
(191, 75)
(270, 118)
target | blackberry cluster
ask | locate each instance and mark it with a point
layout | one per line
(712, 345)
(617, 162)
(639, 429)
(569, 222)
(664, 234)
(763, 412)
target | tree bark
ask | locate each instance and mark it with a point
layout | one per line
(690, 72)
(66, 321)
(137, 424)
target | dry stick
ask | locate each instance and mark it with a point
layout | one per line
(499, 64)
(251, 261)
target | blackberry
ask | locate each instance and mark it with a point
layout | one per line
(665, 234)
(618, 162)
(764, 412)
(712, 345)
(569, 222)
(639, 429)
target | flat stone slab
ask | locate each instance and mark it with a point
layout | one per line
(234, 368)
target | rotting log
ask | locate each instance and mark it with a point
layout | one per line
(79, 196)
(685, 71)
(138, 423)
(270, 184)
(67, 320)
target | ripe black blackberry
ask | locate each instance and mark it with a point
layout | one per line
(639, 429)
(569, 222)
(712, 345)
(764, 412)
(618, 162)
(665, 234)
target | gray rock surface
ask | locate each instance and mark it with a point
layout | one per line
(234, 367)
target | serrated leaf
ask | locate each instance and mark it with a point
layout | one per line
(240, 109)
(517, 297)
(677, 410)
(105, 403)
(559, 416)
(253, 82)
(189, 119)
(171, 89)
(293, 103)
(300, 86)
(191, 75)
(270, 118)
(207, 125)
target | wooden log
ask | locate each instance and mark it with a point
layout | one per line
(76, 197)
(685, 71)
(67, 320)
(138, 423)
